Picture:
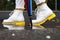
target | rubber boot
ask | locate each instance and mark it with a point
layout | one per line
(17, 15)
(43, 12)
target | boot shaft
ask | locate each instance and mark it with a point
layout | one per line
(43, 11)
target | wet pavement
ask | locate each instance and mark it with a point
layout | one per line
(41, 34)
(50, 33)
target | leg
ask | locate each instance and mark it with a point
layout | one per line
(43, 12)
(17, 14)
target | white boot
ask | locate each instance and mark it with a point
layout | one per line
(16, 16)
(43, 13)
